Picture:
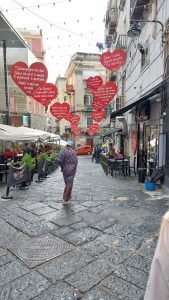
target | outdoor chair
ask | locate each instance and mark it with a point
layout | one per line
(3, 171)
(131, 168)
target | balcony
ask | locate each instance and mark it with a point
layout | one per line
(119, 102)
(112, 21)
(121, 41)
(139, 8)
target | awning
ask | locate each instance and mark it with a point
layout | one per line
(142, 100)
(112, 130)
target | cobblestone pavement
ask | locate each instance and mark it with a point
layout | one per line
(99, 247)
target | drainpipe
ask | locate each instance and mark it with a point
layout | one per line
(154, 13)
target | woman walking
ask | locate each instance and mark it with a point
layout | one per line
(68, 163)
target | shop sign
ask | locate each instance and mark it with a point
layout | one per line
(45, 94)
(134, 141)
(60, 110)
(106, 93)
(94, 82)
(29, 79)
(113, 61)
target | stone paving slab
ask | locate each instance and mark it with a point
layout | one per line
(11, 271)
(61, 267)
(24, 288)
(132, 275)
(27, 216)
(61, 291)
(98, 294)
(82, 236)
(121, 289)
(95, 248)
(5, 259)
(116, 256)
(139, 262)
(84, 280)
(66, 221)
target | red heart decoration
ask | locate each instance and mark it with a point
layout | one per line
(60, 110)
(29, 79)
(97, 104)
(94, 82)
(77, 132)
(106, 92)
(98, 115)
(69, 116)
(94, 127)
(45, 94)
(90, 132)
(113, 61)
(75, 119)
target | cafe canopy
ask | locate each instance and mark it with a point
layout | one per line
(11, 133)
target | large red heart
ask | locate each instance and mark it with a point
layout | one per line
(74, 119)
(45, 94)
(98, 115)
(97, 104)
(94, 127)
(94, 82)
(106, 92)
(60, 110)
(113, 61)
(90, 132)
(29, 79)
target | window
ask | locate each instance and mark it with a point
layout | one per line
(119, 102)
(88, 99)
(145, 53)
(65, 98)
(89, 121)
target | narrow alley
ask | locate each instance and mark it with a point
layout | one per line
(99, 247)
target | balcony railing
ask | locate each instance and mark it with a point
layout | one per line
(121, 41)
(139, 8)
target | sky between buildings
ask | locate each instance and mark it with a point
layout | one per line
(68, 27)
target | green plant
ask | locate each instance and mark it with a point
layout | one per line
(29, 162)
(43, 156)
(52, 158)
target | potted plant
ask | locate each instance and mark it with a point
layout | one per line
(30, 164)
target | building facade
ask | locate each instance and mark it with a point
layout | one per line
(22, 110)
(78, 95)
(141, 102)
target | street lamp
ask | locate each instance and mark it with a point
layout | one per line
(135, 28)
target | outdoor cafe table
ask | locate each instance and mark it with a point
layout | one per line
(119, 164)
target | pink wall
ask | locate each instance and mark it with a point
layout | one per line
(37, 47)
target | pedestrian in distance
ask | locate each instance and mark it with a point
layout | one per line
(98, 152)
(68, 162)
(158, 282)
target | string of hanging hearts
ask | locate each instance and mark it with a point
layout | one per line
(32, 81)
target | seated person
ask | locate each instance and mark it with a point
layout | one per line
(8, 154)
(111, 153)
